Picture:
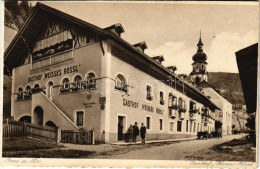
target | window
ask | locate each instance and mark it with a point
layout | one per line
(148, 123)
(149, 93)
(180, 102)
(28, 93)
(66, 83)
(179, 126)
(171, 126)
(20, 94)
(121, 83)
(182, 105)
(77, 83)
(80, 116)
(173, 101)
(192, 106)
(198, 127)
(161, 124)
(187, 125)
(36, 87)
(91, 81)
(161, 98)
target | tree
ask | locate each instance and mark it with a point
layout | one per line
(16, 13)
(251, 121)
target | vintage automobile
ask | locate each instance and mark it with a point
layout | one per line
(204, 134)
(216, 134)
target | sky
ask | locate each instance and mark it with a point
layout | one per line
(172, 29)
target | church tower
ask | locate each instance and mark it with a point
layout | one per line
(199, 72)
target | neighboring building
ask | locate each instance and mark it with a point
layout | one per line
(199, 77)
(73, 75)
(247, 62)
(9, 34)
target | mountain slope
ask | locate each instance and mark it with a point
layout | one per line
(229, 85)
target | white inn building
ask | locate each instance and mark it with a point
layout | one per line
(73, 75)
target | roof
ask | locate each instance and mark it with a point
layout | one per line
(247, 62)
(200, 42)
(205, 84)
(200, 55)
(28, 32)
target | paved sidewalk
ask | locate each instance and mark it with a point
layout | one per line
(152, 141)
(161, 141)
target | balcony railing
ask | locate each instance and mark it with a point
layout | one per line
(53, 59)
(173, 113)
(181, 115)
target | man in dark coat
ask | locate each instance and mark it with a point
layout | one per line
(136, 132)
(143, 132)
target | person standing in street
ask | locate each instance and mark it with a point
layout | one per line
(130, 133)
(143, 132)
(136, 132)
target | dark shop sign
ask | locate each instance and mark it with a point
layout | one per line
(55, 73)
(144, 107)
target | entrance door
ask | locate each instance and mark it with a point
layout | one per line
(121, 123)
(49, 90)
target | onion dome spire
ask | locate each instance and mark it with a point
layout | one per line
(200, 56)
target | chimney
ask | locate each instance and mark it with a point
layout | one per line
(141, 46)
(158, 59)
(172, 68)
(116, 29)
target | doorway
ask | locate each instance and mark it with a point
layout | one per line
(38, 115)
(120, 128)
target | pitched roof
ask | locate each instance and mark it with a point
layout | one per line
(205, 84)
(29, 30)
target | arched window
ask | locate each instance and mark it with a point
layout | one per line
(66, 83)
(36, 86)
(28, 89)
(77, 83)
(120, 83)
(77, 80)
(91, 81)
(20, 93)
(28, 92)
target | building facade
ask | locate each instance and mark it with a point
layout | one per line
(73, 75)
